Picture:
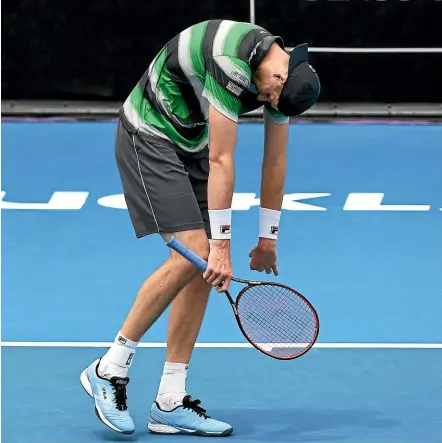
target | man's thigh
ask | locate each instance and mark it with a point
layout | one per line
(157, 189)
(198, 169)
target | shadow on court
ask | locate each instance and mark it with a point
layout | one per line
(284, 425)
(303, 424)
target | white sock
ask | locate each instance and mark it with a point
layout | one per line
(118, 359)
(172, 388)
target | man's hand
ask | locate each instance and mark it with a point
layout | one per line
(219, 269)
(264, 257)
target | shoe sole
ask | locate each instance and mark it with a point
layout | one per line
(165, 429)
(84, 380)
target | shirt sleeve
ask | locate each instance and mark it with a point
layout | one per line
(226, 79)
(274, 115)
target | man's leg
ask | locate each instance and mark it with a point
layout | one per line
(186, 316)
(153, 298)
(162, 286)
(185, 319)
(174, 411)
(106, 378)
(189, 306)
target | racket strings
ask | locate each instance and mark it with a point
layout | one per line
(277, 320)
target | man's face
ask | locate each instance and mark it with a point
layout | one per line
(269, 85)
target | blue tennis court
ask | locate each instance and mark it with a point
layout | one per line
(361, 237)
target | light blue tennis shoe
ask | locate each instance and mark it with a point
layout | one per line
(188, 418)
(110, 398)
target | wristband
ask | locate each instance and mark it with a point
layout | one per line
(269, 223)
(220, 223)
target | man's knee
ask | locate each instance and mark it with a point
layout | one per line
(196, 240)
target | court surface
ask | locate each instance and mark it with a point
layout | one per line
(71, 269)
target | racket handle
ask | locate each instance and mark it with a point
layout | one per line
(182, 249)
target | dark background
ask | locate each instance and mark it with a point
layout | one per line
(98, 49)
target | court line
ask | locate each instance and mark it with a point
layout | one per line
(13, 344)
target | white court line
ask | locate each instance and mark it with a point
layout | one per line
(37, 344)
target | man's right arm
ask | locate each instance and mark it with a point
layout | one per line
(226, 78)
(222, 141)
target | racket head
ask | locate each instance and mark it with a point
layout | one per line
(277, 320)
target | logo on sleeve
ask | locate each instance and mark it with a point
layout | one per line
(234, 89)
(240, 78)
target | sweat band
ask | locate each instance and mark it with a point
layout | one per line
(220, 223)
(269, 223)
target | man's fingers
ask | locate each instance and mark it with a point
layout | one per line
(254, 266)
(211, 276)
(218, 278)
(226, 283)
(207, 273)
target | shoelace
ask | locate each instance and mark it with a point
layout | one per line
(189, 403)
(120, 396)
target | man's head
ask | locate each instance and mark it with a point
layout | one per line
(287, 82)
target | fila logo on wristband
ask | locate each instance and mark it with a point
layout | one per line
(225, 229)
(221, 223)
(269, 223)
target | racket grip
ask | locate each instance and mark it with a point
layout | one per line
(194, 258)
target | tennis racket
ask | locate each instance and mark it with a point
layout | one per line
(274, 318)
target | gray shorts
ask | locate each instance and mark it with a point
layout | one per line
(165, 191)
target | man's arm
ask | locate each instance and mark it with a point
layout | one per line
(222, 142)
(226, 77)
(274, 167)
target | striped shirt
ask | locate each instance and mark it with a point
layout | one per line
(210, 62)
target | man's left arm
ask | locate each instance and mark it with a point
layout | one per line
(274, 168)
(274, 164)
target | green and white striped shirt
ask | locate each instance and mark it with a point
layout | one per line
(210, 62)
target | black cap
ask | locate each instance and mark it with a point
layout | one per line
(302, 87)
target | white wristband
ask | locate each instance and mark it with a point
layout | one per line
(220, 223)
(269, 223)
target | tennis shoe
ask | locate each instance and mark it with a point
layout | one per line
(110, 398)
(187, 418)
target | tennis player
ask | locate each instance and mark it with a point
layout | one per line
(188, 100)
